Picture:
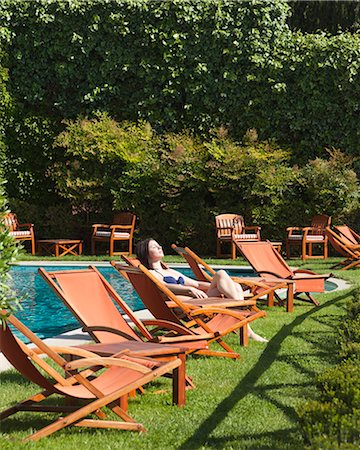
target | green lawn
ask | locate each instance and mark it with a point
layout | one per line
(250, 403)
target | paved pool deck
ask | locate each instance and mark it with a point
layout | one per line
(78, 337)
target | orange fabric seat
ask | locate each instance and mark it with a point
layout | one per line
(268, 262)
(345, 246)
(201, 317)
(82, 381)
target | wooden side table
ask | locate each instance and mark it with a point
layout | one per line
(60, 247)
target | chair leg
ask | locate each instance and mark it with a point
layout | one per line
(244, 335)
(130, 247)
(326, 250)
(233, 250)
(111, 248)
(303, 250)
(33, 246)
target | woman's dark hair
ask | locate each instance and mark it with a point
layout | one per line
(142, 252)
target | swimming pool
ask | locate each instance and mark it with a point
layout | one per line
(44, 313)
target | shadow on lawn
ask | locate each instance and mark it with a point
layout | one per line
(247, 385)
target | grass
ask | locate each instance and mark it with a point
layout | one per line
(251, 403)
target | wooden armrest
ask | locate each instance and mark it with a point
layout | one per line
(216, 310)
(76, 351)
(195, 337)
(252, 227)
(121, 227)
(26, 225)
(108, 330)
(103, 225)
(107, 361)
(167, 325)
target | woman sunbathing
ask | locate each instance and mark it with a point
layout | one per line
(150, 254)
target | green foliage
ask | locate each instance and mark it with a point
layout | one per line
(29, 154)
(325, 15)
(330, 185)
(5, 107)
(162, 178)
(335, 417)
(98, 152)
(186, 64)
(8, 252)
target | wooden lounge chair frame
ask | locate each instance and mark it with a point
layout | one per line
(211, 319)
(20, 231)
(308, 237)
(305, 281)
(259, 287)
(231, 228)
(121, 230)
(109, 389)
(349, 234)
(108, 327)
(346, 248)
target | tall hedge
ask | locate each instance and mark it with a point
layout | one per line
(186, 63)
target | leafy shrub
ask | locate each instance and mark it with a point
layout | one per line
(8, 252)
(29, 140)
(187, 64)
(335, 417)
(162, 178)
(5, 107)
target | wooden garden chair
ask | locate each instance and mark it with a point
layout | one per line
(121, 230)
(308, 237)
(20, 231)
(268, 262)
(77, 380)
(231, 228)
(345, 248)
(210, 320)
(260, 287)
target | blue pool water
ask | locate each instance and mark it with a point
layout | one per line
(43, 312)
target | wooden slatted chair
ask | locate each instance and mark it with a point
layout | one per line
(308, 237)
(20, 231)
(121, 230)
(231, 228)
(77, 380)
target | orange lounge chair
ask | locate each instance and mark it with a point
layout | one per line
(211, 320)
(260, 287)
(346, 248)
(307, 237)
(123, 375)
(121, 230)
(349, 234)
(91, 299)
(231, 228)
(20, 231)
(268, 262)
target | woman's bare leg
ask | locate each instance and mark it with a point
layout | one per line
(223, 284)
